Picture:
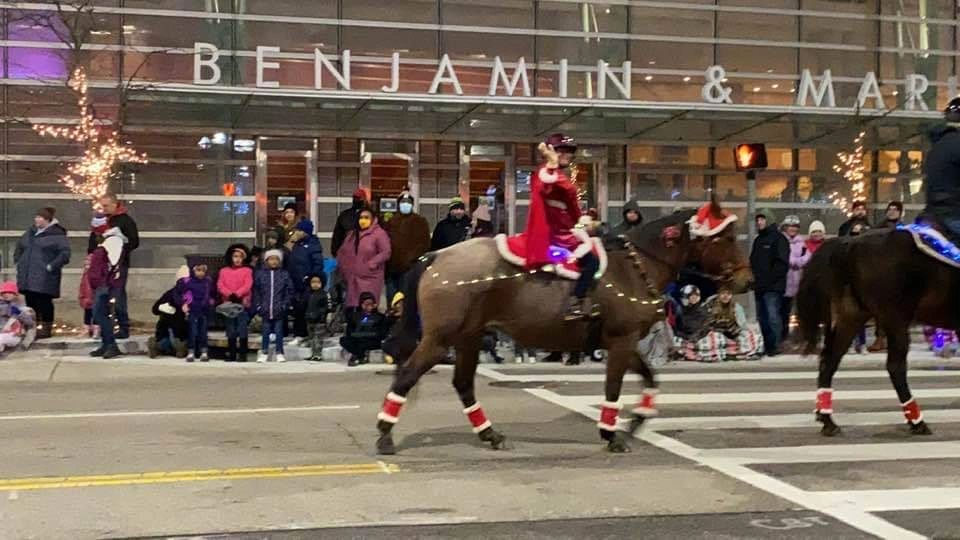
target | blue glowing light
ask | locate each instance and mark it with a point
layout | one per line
(558, 255)
(931, 238)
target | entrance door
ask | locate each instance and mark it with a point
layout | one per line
(386, 175)
(489, 180)
(285, 176)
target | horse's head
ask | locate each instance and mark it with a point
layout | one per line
(714, 248)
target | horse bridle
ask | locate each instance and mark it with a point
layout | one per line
(634, 252)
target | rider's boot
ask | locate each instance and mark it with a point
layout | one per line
(577, 308)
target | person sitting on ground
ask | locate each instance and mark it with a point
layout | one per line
(691, 325)
(366, 329)
(727, 318)
(196, 299)
(16, 319)
(171, 331)
(315, 314)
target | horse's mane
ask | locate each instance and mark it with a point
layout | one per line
(650, 233)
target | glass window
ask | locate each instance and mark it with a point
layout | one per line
(183, 32)
(415, 11)
(580, 53)
(484, 47)
(316, 8)
(590, 17)
(289, 37)
(672, 22)
(668, 55)
(497, 13)
(385, 41)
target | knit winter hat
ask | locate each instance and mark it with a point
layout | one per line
(290, 206)
(817, 226)
(306, 226)
(689, 290)
(273, 253)
(456, 203)
(9, 287)
(182, 272)
(47, 213)
(364, 296)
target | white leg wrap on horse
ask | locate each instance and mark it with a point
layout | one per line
(647, 406)
(390, 412)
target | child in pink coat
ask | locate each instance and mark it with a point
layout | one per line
(235, 286)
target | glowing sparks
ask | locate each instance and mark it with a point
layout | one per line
(851, 167)
(90, 176)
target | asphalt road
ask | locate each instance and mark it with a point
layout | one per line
(157, 449)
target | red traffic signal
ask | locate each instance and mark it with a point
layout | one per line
(750, 157)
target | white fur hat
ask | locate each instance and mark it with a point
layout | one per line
(273, 253)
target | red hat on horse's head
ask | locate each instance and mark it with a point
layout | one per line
(710, 219)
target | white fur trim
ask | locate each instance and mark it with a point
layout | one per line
(907, 402)
(918, 420)
(645, 411)
(585, 219)
(504, 249)
(586, 243)
(700, 229)
(610, 405)
(606, 427)
(546, 177)
(602, 254)
(396, 398)
(470, 409)
(387, 418)
(482, 427)
(556, 204)
(822, 390)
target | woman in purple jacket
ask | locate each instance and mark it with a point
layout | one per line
(799, 257)
(363, 257)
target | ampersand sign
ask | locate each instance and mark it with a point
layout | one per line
(713, 90)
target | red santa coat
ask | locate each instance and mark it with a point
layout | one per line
(553, 216)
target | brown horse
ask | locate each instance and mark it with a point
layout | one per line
(464, 290)
(883, 276)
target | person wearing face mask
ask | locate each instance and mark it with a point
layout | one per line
(409, 240)
(347, 220)
(363, 257)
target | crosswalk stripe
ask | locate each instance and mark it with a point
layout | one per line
(719, 376)
(886, 500)
(830, 453)
(782, 421)
(839, 396)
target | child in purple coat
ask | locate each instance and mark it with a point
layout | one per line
(196, 297)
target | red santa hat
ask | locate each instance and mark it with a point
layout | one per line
(709, 220)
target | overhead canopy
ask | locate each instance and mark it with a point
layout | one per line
(480, 119)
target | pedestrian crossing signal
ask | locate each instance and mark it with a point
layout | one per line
(750, 157)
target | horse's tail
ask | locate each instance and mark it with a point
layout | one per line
(405, 334)
(815, 292)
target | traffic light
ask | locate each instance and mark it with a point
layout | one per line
(750, 157)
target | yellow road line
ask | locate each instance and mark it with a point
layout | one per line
(168, 477)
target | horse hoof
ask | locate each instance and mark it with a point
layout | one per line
(497, 440)
(830, 430)
(618, 444)
(920, 428)
(637, 423)
(385, 445)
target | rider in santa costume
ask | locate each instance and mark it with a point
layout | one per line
(554, 221)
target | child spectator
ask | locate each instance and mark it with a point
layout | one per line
(366, 329)
(316, 316)
(16, 319)
(106, 273)
(196, 297)
(272, 292)
(98, 226)
(728, 319)
(235, 285)
(171, 332)
(306, 260)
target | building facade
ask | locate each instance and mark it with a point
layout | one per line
(244, 105)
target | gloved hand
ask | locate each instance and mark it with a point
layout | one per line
(167, 308)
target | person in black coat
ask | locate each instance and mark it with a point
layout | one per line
(171, 331)
(366, 329)
(347, 220)
(454, 228)
(941, 167)
(40, 256)
(770, 262)
(631, 218)
(858, 218)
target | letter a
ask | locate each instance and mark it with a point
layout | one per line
(445, 74)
